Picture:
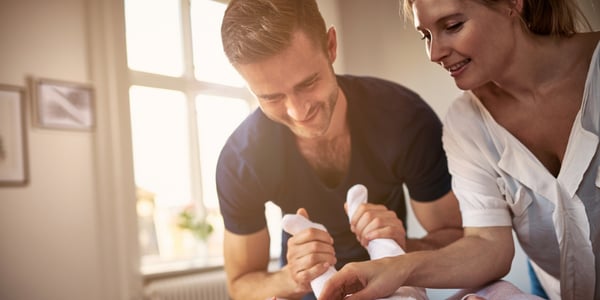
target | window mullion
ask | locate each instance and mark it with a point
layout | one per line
(196, 167)
(186, 31)
(191, 89)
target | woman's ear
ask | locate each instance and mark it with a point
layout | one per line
(516, 6)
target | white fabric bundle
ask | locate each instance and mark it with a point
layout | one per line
(293, 224)
(380, 248)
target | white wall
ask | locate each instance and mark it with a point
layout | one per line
(48, 233)
(379, 43)
(591, 9)
(330, 9)
(56, 239)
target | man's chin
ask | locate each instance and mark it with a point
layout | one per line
(309, 134)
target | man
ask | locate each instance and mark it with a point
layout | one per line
(316, 135)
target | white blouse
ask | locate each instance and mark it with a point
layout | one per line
(499, 182)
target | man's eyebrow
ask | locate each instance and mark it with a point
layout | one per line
(306, 81)
(297, 86)
(268, 96)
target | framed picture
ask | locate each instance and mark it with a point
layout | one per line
(62, 104)
(13, 142)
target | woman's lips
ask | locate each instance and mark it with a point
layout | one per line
(457, 68)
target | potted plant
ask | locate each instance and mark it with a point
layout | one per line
(199, 227)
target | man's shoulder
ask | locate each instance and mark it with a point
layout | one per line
(256, 138)
(374, 91)
(375, 98)
(374, 85)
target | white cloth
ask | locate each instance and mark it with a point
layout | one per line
(380, 248)
(293, 224)
(499, 182)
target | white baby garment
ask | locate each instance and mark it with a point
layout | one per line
(380, 248)
(294, 224)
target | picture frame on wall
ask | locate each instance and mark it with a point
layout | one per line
(62, 104)
(13, 137)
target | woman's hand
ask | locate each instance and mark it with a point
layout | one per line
(364, 281)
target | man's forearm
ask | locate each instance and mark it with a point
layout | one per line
(434, 240)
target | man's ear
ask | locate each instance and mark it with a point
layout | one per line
(332, 44)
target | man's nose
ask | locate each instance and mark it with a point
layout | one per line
(297, 108)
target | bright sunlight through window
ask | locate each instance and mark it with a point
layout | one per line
(185, 101)
(154, 31)
(211, 64)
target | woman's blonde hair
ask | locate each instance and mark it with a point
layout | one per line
(542, 17)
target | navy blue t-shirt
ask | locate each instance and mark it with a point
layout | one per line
(395, 140)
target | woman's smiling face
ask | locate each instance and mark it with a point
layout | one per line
(471, 40)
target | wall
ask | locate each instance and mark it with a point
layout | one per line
(384, 46)
(48, 228)
(330, 9)
(57, 241)
(591, 9)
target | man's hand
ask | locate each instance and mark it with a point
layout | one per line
(374, 221)
(310, 253)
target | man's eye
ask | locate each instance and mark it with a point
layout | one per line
(309, 84)
(271, 98)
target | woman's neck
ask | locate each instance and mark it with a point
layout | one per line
(543, 63)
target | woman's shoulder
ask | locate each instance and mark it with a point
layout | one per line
(465, 116)
(463, 107)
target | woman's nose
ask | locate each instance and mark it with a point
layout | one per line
(437, 50)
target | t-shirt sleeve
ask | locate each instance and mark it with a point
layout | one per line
(474, 179)
(425, 165)
(240, 198)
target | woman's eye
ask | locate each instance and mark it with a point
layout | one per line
(455, 26)
(425, 36)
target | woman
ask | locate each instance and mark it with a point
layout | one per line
(522, 146)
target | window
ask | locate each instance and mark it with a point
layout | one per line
(185, 100)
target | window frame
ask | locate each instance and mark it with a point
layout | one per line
(191, 88)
